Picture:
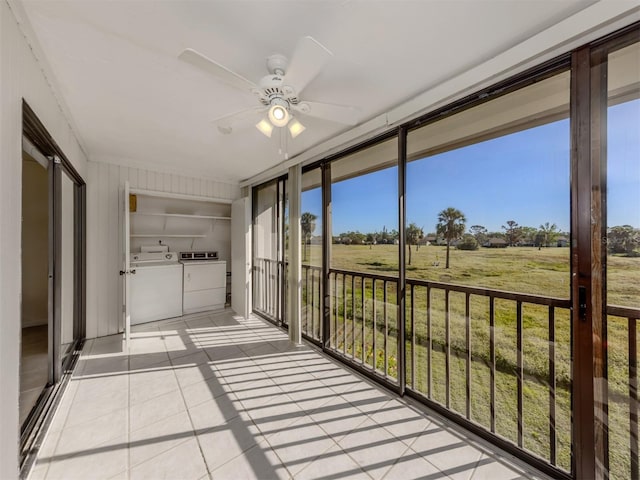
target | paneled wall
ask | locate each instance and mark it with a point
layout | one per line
(104, 232)
(21, 78)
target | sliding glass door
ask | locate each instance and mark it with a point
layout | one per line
(269, 250)
(53, 273)
(621, 164)
(68, 223)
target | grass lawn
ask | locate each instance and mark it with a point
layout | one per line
(527, 270)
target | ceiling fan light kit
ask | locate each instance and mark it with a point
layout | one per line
(265, 127)
(279, 112)
(295, 128)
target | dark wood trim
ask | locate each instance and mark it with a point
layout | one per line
(521, 80)
(370, 142)
(583, 459)
(598, 234)
(619, 39)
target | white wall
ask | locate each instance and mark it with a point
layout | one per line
(104, 232)
(21, 76)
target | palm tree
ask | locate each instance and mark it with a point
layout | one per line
(547, 234)
(414, 235)
(451, 225)
(307, 225)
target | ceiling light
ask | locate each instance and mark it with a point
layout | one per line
(265, 127)
(295, 128)
(278, 115)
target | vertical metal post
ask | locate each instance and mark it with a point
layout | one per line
(326, 253)
(374, 327)
(633, 398)
(492, 363)
(294, 273)
(429, 345)
(520, 372)
(402, 204)
(552, 386)
(447, 348)
(467, 335)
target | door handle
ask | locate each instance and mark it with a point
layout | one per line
(582, 303)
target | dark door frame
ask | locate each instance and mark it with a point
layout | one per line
(60, 363)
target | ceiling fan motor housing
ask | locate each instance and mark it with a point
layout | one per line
(272, 85)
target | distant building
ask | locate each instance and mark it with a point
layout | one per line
(495, 242)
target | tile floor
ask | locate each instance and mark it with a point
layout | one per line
(219, 397)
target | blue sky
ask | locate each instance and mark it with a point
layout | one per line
(523, 177)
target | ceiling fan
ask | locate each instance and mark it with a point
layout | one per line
(278, 92)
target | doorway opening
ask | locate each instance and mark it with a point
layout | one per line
(34, 349)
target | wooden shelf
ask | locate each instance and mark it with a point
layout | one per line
(179, 215)
(137, 235)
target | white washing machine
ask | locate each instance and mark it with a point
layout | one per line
(156, 287)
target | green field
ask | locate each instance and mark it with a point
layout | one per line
(519, 269)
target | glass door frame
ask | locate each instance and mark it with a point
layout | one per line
(62, 360)
(60, 364)
(280, 238)
(589, 252)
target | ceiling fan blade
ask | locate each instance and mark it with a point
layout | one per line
(335, 113)
(242, 118)
(223, 73)
(308, 59)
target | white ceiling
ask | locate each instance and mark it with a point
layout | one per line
(133, 102)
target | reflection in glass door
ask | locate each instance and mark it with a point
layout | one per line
(67, 266)
(269, 266)
(622, 285)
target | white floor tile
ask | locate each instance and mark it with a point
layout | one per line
(157, 438)
(402, 421)
(214, 396)
(260, 462)
(490, 468)
(333, 464)
(300, 444)
(373, 448)
(102, 462)
(338, 418)
(412, 466)
(448, 452)
(224, 442)
(87, 436)
(155, 410)
(184, 462)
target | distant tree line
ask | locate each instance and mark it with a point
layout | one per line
(451, 227)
